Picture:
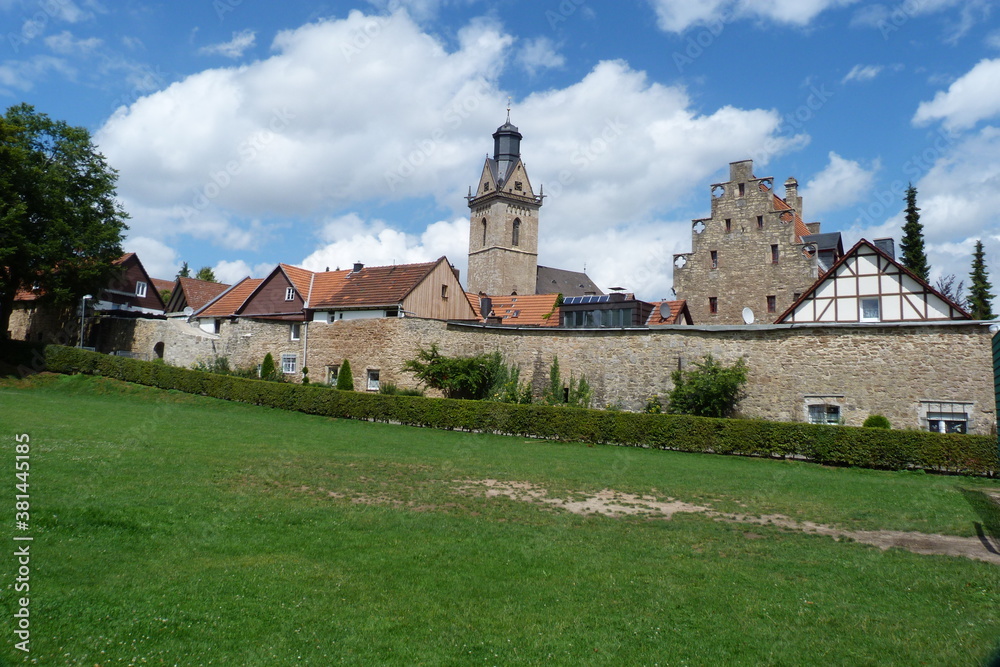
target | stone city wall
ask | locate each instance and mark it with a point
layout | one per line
(863, 369)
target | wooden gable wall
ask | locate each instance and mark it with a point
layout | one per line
(268, 300)
(426, 299)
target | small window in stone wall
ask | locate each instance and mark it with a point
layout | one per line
(772, 303)
(715, 259)
(946, 416)
(332, 372)
(774, 253)
(373, 383)
(824, 414)
(760, 222)
(296, 331)
(288, 362)
(729, 225)
(713, 304)
(742, 188)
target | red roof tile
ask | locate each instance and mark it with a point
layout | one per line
(371, 286)
(226, 303)
(199, 292)
(678, 314)
(161, 284)
(529, 310)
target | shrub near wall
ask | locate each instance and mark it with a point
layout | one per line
(834, 445)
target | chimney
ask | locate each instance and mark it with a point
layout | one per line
(886, 245)
(357, 267)
(792, 197)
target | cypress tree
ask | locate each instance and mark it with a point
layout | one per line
(345, 379)
(980, 297)
(912, 244)
(267, 368)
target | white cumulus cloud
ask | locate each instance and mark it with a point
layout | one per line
(973, 97)
(538, 54)
(841, 184)
(679, 15)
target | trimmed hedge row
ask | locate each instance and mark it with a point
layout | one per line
(835, 445)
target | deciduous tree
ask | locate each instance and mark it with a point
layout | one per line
(60, 224)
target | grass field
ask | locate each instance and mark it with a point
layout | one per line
(180, 530)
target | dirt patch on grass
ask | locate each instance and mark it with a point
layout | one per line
(617, 504)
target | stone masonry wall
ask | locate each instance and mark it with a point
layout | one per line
(744, 273)
(863, 369)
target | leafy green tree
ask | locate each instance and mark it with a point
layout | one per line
(345, 378)
(457, 377)
(707, 390)
(912, 244)
(205, 273)
(185, 271)
(980, 297)
(268, 371)
(60, 224)
(507, 385)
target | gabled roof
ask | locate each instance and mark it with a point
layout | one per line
(870, 248)
(371, 286)
(229, 301)
(160, 284)
(300, 278)
(560, 281)
(194, 293)
(678, 314)
(531, 310)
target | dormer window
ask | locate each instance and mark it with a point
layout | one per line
(289, 294)
(140, 289)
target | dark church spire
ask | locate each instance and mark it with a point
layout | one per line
(506, 149)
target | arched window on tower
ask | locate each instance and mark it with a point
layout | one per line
(484, 232)
(515, 237)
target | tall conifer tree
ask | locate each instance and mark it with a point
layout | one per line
(912, 245)
(980, 297)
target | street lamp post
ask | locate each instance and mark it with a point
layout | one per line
(83, 314)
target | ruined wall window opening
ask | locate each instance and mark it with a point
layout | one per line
(295, 331)
(772, 304)
(288, 362)
(742, 189)
(140, 289)
(946, 416)
(760, 222)
(373, 379)
(729, 225)
(515, 236)
(713, 304)
(824, 413)
(715, 259)
(289, 294)
(870, 311)
(774, 253)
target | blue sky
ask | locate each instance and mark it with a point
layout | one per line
(319, 134)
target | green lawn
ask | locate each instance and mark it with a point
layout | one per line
(172, 529)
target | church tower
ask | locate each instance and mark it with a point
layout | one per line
(503, 221)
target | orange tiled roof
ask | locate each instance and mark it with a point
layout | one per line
(529, 310)
(781, 205)
(371, 286)
(226, 303)
(199, 292)
(301, 278)
(474, 303)
(677, 309)
(325, 286)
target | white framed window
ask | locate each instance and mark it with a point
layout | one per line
(289, 294)
(140, 289)
(824, 413)
(870, 311)
(373, 384)
(946, 416)
(296, 330)
(288, 363)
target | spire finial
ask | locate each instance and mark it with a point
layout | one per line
(508, 108)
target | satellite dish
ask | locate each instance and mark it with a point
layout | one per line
(994, 328)
(189, 311)
(748, 316)
(664, 311)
